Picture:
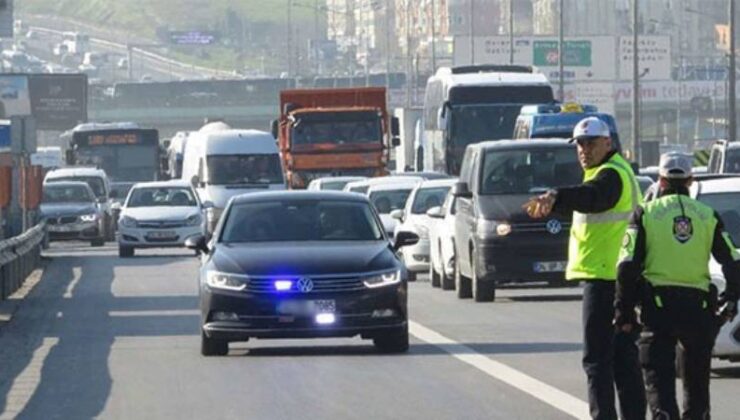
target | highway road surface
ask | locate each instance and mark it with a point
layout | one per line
(103, 337)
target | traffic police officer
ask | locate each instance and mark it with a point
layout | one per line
(601, 208)
(664, 266)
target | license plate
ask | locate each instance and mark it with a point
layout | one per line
(165, 234)
(61, 228)
(549, 266)
(306, 307)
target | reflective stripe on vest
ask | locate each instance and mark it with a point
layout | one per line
(608, 216)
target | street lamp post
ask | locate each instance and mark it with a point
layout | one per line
(635, 84)
(511, 31)
(289, 37)
(732, 127)
(472, 32)
(561, 58)
(434, 34)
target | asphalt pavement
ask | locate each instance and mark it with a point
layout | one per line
(104, 337)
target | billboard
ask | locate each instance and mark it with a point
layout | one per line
(588, 58)
(56, 101)
(193, 37)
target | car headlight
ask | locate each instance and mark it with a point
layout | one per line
(422, 231)
(383, 279)
(89, 217)
(226, 281)
(194, 220)
(128, 221)
(492, 229)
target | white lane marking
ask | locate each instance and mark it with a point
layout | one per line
(25, 384)
(165, 312)
(76, 274)
(561, 400)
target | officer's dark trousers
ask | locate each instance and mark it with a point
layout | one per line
(609, 358)
(683, 318)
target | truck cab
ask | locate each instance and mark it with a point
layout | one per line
(333, 132)
(724, 158)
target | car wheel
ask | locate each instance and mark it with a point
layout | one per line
(97, 242)
(433, 276)
(462, 283)
(213, 346)
(125, 251)
(483, 291)
(393, 342)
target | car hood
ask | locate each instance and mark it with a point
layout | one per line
(508, 208)
(160, 213)
(290, 258)
(219, 195)
(67, 209)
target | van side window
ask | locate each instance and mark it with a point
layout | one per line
(466, 164)
(474, 171)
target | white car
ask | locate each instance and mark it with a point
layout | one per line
(389, 197)
(723, 195)
(362, 186)
(414, 218)
(442, 245)
(159, 215)
(335, 183)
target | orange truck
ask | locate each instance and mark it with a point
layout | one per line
(334, 132)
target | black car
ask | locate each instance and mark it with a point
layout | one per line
(299, 264)
(495, 240)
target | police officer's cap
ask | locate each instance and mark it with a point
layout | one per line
(589, 129)
(675, 165)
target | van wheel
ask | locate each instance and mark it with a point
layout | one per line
(212, 346)
(463, 285)
(393, 342)
(433, 276)
(483, 291)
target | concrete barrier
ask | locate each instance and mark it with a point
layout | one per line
(19, 256)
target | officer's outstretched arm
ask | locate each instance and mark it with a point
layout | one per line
(630, 265)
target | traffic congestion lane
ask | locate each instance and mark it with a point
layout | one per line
(106, 337)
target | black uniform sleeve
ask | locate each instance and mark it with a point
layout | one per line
(595, 196)
(727, 256)
(631, 264)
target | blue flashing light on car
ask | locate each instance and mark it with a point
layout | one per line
(283, 285)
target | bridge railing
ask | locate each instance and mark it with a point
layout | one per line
(19, 256)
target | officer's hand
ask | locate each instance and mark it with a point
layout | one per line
(728, 310)
(625, 320)
(540, 206)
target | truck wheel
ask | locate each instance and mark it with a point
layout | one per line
(483, 290)
(463, 285)
(125, 251)
(433, 276)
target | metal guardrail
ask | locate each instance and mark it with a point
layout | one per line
(19, 256)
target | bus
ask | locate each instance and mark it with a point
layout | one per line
(465, 105)
(125, 151)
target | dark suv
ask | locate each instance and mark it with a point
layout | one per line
(495, 240)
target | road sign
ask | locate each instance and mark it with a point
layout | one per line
(654, 55)
(576, 53)
(6, 19)
(193, 37)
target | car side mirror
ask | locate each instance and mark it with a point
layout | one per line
(397, 214)
(404, 238)
(435, 212)
(395, 142)
(102, 200)
(274, 128)
(461, 190)
(208, 205)
(116, 206)
(197, 243)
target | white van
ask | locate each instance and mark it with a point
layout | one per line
(221, 162)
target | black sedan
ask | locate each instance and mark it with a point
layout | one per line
(302, 265)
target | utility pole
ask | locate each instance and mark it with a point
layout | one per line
(434, 35)
(388, 48)
(636, 84)
(561, 55)
(732, 134)
(472, 33)
(408, 54)
(511, 31)
(289, 38)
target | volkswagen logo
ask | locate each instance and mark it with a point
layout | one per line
(554, 226)
(305, 284)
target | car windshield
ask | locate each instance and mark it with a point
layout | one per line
(527, 171)
(67, 194)
(300, 220)
(96, 183)
(244, 169)
(333, 185)
(475, 123)
(385, 201)
(426, 198)
(162, 197)
(727, 205)
(732, 164)
(337, 128)
(360, 190)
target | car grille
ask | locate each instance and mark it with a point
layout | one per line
(321, 284)
(537, 227)
(64, 220)
(162, 225)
